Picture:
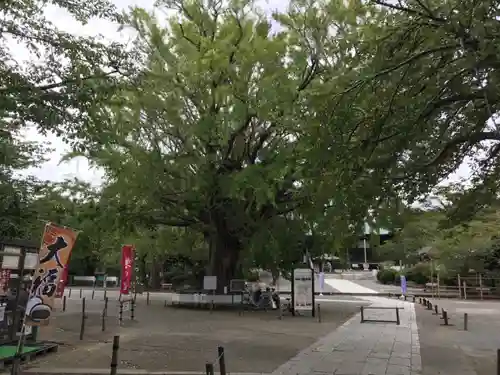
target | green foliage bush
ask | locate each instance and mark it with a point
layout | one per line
(419, 274)
(387, 276)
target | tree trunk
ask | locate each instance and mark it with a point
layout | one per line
(154, 278)
(224, 255)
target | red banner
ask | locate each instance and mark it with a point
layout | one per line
(63, 281)
(127, 268)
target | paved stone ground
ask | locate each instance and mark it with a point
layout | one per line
(171, 339)
(363, 348)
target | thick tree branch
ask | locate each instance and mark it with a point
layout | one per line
(471, 139)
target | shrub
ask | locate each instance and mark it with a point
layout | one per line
(387, 276)
(419, 274)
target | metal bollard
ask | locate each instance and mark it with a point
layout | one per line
(106, 305)
(120, 313)
(429, 306)
(103, 320)
(114, 355)
(93, 293)
(319, 313)
(466, 322)
(445, 317)
(69, 294)
(362, 314)
(436, 312)
(82, 324)
(132, 309)
(398, 321)
(147, 298)
(222, 361)
(80, 293)
(209, 369)
(64, 303)
(498, 361)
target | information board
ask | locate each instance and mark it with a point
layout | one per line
(210, 282)
(303, 289)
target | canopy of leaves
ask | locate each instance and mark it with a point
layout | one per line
(433, 77)
(49, 77)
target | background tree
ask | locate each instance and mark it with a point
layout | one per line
(437, 95)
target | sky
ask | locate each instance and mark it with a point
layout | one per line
(53, 169)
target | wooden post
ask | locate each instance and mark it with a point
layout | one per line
(93, 293)
(466, 321)
(147, 298)
(438, 287)
(459, 287)
(465, 290)
(64, 303)
(436, 310)
(69, 294)
(82, 324)
(362, 314)
(481, 286)
(222, 361)
(398, 322)
(432, 279)
(319, 313)
(114, 355)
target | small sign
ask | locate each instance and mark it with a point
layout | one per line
(321, 281)
(126, 306)
(303, 295)
(210, 283)
(403, 284)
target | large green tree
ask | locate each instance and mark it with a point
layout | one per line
(219, 132)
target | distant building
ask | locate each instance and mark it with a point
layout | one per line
(364, 251)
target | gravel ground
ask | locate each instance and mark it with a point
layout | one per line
(175, 339)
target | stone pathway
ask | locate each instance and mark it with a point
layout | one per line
(368, 348)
